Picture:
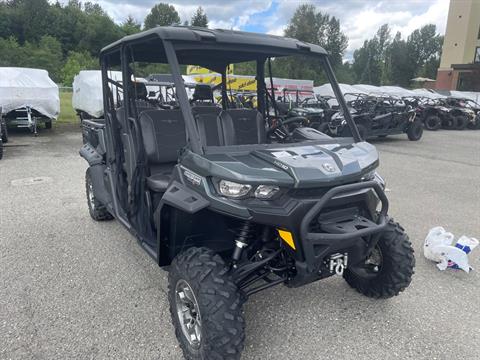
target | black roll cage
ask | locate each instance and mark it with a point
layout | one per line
(120, 53)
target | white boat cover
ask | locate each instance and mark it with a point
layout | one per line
(87, 91)
(326, 90)
(21, 87)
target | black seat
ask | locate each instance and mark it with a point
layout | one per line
(208, 124)
(163, 134)
(203, 94)
(138, 90)
(243, 126)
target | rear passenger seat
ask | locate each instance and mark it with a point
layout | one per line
(229, 127)
(164, 135)
(208, 124)
(243, 127)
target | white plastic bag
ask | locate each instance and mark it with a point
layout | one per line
(438, 247)
(437, 236)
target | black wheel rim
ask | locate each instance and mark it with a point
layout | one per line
(371, 267)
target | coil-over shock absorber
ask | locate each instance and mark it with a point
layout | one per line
(245, 233)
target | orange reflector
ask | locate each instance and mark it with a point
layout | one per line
(287, 237)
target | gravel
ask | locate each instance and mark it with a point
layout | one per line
(74, 288)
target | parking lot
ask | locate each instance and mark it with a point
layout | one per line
(74, 288)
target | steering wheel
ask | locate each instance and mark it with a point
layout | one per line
(280, 129)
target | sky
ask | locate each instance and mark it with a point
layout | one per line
(359, 19)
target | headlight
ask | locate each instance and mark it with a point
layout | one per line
(238, 191)
(266, 191)
(233, 190)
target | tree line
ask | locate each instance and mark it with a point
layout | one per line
(64, 39)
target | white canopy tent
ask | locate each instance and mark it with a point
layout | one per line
(475, 96)
(326, 90)
(428, 94)
(396, 91)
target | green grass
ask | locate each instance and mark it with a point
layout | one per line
(67, 113)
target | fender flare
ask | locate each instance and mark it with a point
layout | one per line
(91, 155)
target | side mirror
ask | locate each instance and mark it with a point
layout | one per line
(152, 94)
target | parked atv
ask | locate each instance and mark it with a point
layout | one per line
(428, 110)
(231, 202)
(377, 116)
(469, 112)
(311, 109)
(453, 117)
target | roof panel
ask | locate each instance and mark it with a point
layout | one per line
(220, 38)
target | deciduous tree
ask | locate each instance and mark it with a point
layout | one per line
(162, 15)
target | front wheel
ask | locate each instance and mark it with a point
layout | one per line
(206, 306)
(433, 123)
(48, 124)
(415, 131)
(389, 268)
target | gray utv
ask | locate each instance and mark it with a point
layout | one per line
(230, 201)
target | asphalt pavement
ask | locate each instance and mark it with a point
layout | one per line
(73, 288)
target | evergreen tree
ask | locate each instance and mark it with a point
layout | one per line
(199, 19)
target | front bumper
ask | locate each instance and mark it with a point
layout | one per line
(339, 227)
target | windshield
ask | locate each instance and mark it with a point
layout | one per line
(231, 103)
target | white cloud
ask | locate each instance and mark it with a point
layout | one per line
(359, 19)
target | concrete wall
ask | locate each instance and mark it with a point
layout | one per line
(461, 37)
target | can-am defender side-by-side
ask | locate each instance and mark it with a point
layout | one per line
(230, 201)
(376, 115)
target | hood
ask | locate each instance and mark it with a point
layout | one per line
(298, 166)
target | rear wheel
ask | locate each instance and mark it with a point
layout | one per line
(415, 131)
(433, 122)
(97, 210)
(1, 149)
(450, 123)
(462, 122)
(389, 268)
(4, 132)
(206, 306)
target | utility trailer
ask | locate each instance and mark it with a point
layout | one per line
(28, 98)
